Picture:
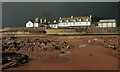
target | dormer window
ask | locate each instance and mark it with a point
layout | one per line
(86, 19)
(96, 24)
(79, 19)
(67, 20)
(60, 20)
(74, 20)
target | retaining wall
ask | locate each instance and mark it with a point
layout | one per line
(83, 31)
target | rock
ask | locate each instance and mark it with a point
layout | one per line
(13, 59)
(89, 41)
(13, 37)
(70, 46)
(64, 53)
(95, 39)
(43, 44)
(110, 46)
(62, 42)
(7, 65)
(90, 54)
(33, 44)
(82, 45)
(114, 48)
(4, 46)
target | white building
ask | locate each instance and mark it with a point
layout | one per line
(72, 22)
(107, 23)
(29, 24)
(36, 24)
(75, 22)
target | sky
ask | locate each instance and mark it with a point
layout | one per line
(16, 14)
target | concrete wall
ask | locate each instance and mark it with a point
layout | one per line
(42, 30)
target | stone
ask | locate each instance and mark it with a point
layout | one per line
(34, 44)
(82, 45)
(89, 41)
(64, 53)
(13, 59)
(70, 46)
(90, 54)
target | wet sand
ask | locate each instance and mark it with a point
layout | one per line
(102, 58)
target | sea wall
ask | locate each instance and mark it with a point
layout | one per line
(40, 30)
(83, 31)
(24, 30)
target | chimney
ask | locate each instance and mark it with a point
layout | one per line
(49, 22)
(71, 16)
(41, 20)
(37, 20)
(67, 20)
(45, 20)
(60, 18)
(79, 19)
(90, 17)
(54, 21)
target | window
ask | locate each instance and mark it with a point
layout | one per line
(74, 20)
(81, 19)
(86, 23)
(96, 24)
(67, 20)
(66, 23)
(86, 19)
(29, 24)
(79, 23)
(114, 24)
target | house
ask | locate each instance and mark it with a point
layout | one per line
(54, 24)
(107, 23)
(72, 22)
(29, 24)
(36, 24)
(75, 22)
(33, 24)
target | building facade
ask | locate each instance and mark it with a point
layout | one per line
(33, 24)
(107, 23)
(73, 22)
(36, 24)
(29, 24)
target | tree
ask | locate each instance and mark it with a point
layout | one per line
(48, 16)
(95, 19)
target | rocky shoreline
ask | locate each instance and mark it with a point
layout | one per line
(11, 45)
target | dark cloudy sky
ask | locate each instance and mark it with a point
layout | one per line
(17, 14)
